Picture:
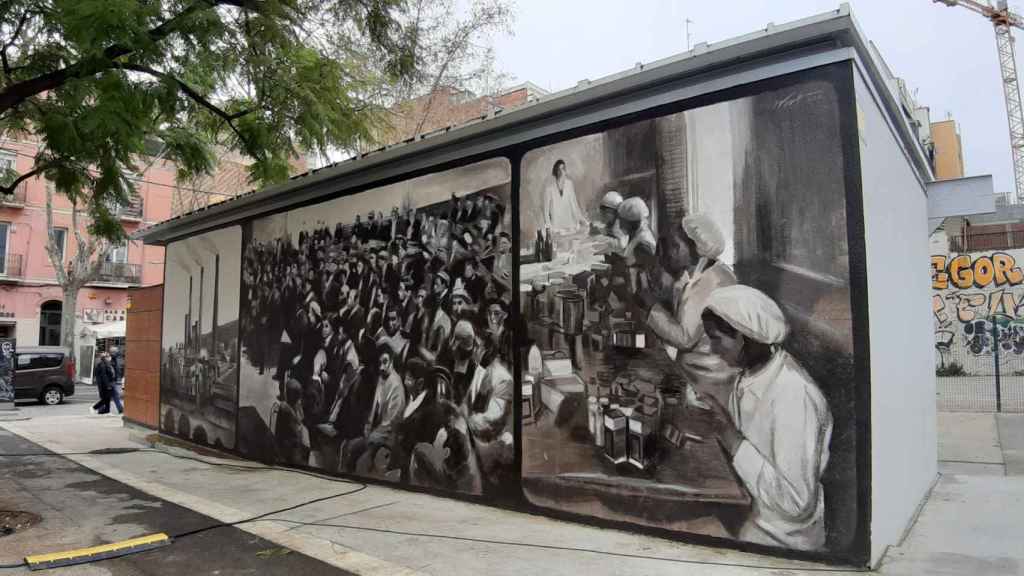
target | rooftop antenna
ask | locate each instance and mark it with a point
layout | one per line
(688, 36)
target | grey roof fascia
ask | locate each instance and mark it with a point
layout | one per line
(770, 52)
(889, 101)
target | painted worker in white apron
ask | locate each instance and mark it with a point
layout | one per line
(608, 223)
(639, 253)
(777, 425)
(689, 253)
(561, 210)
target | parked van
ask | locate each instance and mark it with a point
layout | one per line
(44, 373)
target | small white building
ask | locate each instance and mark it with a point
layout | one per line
(794, 148)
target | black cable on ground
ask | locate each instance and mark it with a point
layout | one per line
(251, 468)
(265, 514)
(265, 518)
(119, 451)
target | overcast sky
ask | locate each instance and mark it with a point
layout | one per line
(948, 55)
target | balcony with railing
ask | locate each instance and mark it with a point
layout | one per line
(987, 241)
(133, 211)
(11, 267)
(17, 199)
(120, 273)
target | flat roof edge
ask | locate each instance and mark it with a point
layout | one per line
(772, 41)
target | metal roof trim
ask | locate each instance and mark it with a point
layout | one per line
(771, 42)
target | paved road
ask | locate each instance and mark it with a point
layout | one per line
(85, 396)
(82, 508)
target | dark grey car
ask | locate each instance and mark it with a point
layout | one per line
(44, 373)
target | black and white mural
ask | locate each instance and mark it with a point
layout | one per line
(684, 339)
(7, 372)
(375, 333)
(688, 358)
(199, 363)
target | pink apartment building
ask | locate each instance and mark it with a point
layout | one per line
(30, 298)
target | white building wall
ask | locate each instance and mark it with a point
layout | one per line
(27, 331)
(903, 440)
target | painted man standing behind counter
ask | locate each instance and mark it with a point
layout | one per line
(562, 212)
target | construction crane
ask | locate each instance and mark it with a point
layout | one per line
(1004, 21)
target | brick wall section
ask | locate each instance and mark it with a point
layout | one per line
(672, 173)
(142, 365)
(446, 107)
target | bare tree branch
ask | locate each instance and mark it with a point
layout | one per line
(188, 91)
(17, 93)
(51, 248)
(452, 53)
(9, 43)
(198, 98)
(9, 189)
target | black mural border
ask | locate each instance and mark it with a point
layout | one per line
(160, 371)
(840, 75)
(856, 242)
(238, 346)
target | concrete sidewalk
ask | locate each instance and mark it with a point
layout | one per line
(967, 527)
(981, 444)
(78, 508)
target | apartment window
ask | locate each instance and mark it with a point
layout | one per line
(119, 254)
(7, 159)
(4, 229)
(60, 236)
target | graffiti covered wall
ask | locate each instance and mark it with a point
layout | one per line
(978, 303)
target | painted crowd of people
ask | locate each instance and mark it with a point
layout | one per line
(389, 342)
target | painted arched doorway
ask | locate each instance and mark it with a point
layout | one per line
(49, 323)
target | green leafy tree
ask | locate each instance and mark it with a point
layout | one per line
(98, 82)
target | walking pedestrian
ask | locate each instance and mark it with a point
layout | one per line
(105, 379)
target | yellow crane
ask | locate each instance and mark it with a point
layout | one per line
(1004, 21)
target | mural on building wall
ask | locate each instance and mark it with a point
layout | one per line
(7, 370)
(978, 303)
(378, 344)
(688, 355)
(199, 360)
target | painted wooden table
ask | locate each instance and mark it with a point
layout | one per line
(564, 469)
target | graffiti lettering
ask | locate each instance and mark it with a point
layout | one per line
(940, 279)
(980, 337)
(999, 269)
(977, 307)
(1002, 302)
(1005, 270)
(960, 271)
(939, 308)
(965, 307)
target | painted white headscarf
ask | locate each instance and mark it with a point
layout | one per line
(708, 239)
(705, 234)
(751, 312)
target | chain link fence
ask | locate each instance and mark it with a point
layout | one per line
(984, 371)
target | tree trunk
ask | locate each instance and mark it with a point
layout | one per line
(68, 319)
